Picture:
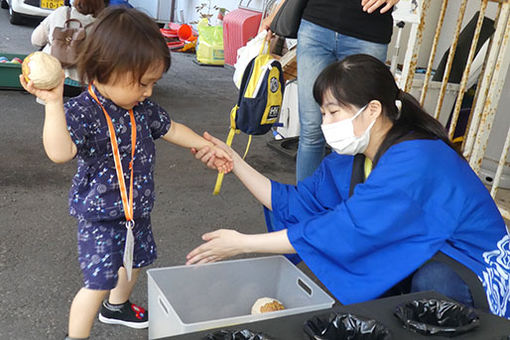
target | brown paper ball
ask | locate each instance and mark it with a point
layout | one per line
(43, 69)
(265, 305)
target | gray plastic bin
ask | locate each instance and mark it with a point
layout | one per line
(185, 299)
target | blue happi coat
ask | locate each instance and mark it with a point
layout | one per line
(420, 198)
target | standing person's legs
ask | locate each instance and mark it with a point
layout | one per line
(346, 46)
(315, 51)
(317, 48)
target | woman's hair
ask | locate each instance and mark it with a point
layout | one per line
(359, 79)
(122, 41)
(85, 7)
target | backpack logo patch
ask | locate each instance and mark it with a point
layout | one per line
(273, 112)
(273, 84)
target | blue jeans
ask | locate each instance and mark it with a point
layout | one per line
(443, 279)
(317, 48)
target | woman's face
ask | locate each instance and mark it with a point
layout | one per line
(333, 112)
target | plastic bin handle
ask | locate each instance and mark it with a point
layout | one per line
(164, 306)
(304, 286)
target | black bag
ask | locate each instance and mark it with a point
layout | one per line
(67, 41)
(346, 326)
(287, 19)
(437, 317)
(244, 334)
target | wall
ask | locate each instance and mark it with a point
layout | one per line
(185, 9)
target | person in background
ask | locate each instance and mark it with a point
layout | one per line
(111, 129)
(331, 30)
(85, 11)
(416, 213)
(124, 3)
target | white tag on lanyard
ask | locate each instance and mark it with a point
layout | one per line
(128, 249)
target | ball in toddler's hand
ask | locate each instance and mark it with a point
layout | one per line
(43, 70)
(266, 304)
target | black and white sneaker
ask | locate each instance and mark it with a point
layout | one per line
(127, 314)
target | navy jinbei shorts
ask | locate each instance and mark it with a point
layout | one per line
(101, 249)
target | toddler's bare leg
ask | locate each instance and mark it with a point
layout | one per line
(122, 291)
(84, 310)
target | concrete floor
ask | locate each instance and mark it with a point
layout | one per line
(39, 273)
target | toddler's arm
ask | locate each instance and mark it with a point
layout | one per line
(57, 142)
(182, 135)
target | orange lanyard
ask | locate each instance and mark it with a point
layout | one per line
(128, 205)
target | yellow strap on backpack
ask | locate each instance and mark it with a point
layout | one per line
(250, 90)
(232, 132)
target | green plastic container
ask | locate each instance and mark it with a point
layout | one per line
(9, 72)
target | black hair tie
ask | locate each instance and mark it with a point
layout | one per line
(398, 104)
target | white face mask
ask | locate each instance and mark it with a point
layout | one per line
(340, 136)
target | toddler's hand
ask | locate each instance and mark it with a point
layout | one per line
(53, 95)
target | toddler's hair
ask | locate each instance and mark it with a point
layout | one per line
(122, 41)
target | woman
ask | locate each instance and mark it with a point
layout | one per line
(420, 200)
(331, 30)
(85, 11)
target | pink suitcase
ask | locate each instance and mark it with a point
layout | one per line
(239, 26)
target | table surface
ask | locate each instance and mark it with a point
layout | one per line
(291, 327)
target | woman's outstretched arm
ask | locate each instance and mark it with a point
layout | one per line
(224, 243)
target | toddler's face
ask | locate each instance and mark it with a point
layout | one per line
(126, 92)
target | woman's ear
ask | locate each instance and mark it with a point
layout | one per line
(374, 109)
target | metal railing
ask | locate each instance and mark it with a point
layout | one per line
(490, 81)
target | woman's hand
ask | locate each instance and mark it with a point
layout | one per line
(264, 26)
(222, 161)
(220, 244)
(48, 96)
(219, 157)
(370, 6)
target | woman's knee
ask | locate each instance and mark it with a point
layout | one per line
(443, 279)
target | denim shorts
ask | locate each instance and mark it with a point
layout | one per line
(101, 250)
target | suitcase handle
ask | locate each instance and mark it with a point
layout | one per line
(247, 6)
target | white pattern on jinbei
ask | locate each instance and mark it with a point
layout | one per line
(496, 278)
